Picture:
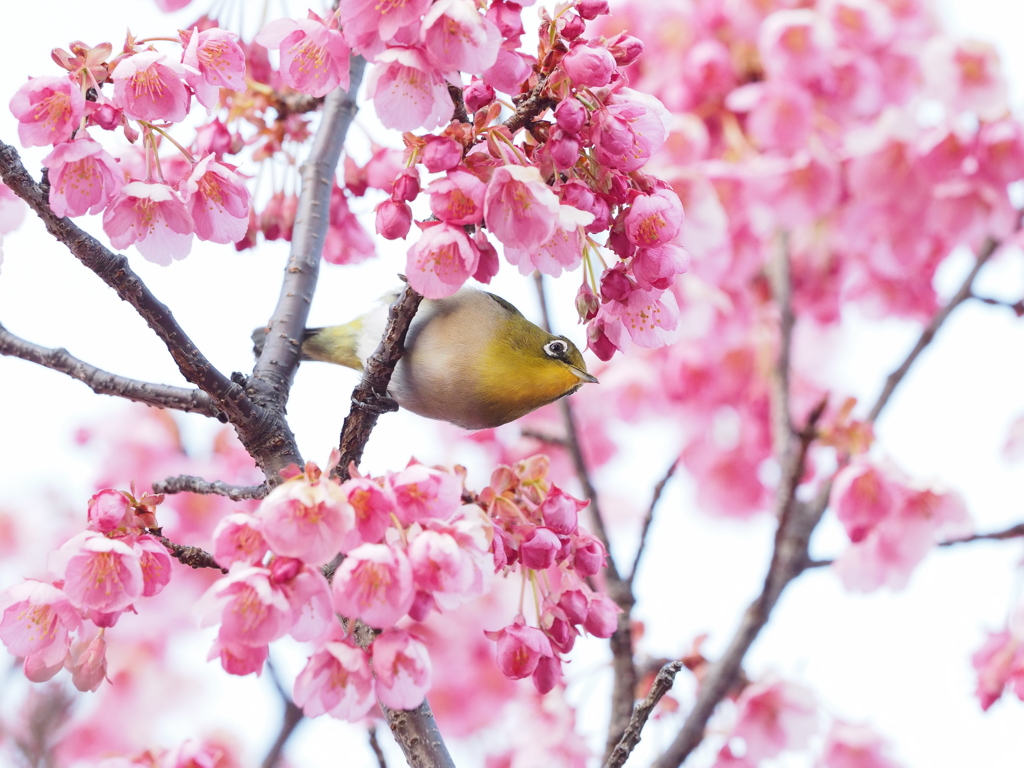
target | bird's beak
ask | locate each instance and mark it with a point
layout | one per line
(583, 375)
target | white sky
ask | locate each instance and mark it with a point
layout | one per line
(901, 662)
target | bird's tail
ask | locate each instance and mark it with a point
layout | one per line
(334, 344)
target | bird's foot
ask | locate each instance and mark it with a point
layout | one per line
(374, 402)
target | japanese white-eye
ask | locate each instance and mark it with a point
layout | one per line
(471, 359)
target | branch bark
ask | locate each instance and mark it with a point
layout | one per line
(191, 484)
(104, 383)
(662, 685)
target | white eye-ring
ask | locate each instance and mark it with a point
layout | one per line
(556, 348)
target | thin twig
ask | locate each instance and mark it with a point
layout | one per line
(375, 746)
(1017, 307)
(193, 557)
(648, 519)
(1013, 532)
(290, 719)
(543, 437)
(192, 484)
(662, 684)
(782, 290)
(103, 383)
(962, 295)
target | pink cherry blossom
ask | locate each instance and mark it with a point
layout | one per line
(773, 716)
(149, 86)
(337, 681)
(88, 663)
(374, 583)
(656, 268)
(966, 75)
(347, 242)
(520, 209)
(100, 574)
(83, 177)
(213, 59)
(48, 110)
(373, 509)
(239, 658)
(308, 593)
(649, 317)
(217, 200)
(306, 519)
(519, 649)
(439, 564)
(237, 539)
(854, 746)
(510, 69)
(794, 45)
(602, 616)
(368, 24)
(152, 218)
(654, 219)
(314, 54)
(421, 493)
(457, 198)
(441, 260)
(155, 562)
(441, 153)
(628, 130)
(539, 548)
(862, 496)
(36, 622)
(407, 91)
(394, 219)
(251, 610)
(457, 38)
(401, 666)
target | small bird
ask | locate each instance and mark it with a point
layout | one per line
(471, 359)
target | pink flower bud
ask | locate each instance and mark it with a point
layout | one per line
(407, 185)
(539, 550)
(560, 511)
(89, 663)
(108, 511)
(599, 342)
(625, 48)
(618, 243)
(589, 66)
(547, 674)
(477, 95)
(589, 557)
(489, 262)
(591, 9)
(562, 635)
(284, 569)
(587, 303)
(394, 219)
(570, 115)
(574, 604)
(615, 284)
(602, 616)
(571, 26)
(564, 150)
(441, 154)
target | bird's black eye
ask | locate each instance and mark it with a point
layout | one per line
(556, 348)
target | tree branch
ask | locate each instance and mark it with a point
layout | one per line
(290, 719)
(103, 383)
(782, 290)
(962, 295)
(371, 732)
(529, 106)
(272, 375)
(192, 484)
(649, 518)
(369, 398)
(417, 734)
(662, 685)
(193, 557)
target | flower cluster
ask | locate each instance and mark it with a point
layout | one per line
(892, 523)
(157, 207)
(99, 575)
(536, 531)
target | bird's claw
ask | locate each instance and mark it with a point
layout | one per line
(374, 402)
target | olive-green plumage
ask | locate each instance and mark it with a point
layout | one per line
(471, 359)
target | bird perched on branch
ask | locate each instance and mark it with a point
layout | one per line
(471, 359)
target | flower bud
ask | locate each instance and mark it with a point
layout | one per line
(441, 154)
(589, 66)
(407, 185)
(602, 616)
(477, 95)
(539, 550)
(570, 115)
(625, 49)
(571, 26)
(393, 219)
(589, 558)
(591, 9)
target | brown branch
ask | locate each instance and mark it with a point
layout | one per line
(649, 518)
(193, 557)
(460, 113)
(543, 437)
(1017, 307)
(962, 295)
(782, 290)
(797, 521)
(272, 375)
(369, 398)
(375, 746)
(662, 685)
(192, 484)
(103, 383)
(417, 734)
(529, 106)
